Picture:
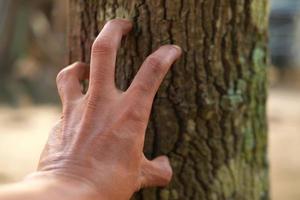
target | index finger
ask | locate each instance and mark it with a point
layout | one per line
(152, 72)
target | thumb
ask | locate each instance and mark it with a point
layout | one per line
(157, 172)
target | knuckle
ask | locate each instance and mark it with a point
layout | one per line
(91, 105)
(156, 64)
(92, 101)
(134, 114)
(68, 71)
(62, 76)
(143, 88)
(103, 45)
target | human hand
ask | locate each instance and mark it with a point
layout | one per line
(99, 140)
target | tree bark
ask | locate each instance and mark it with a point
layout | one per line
(209, 115)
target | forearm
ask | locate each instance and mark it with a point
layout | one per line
(47, 188)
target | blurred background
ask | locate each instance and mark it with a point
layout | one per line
(33, 49)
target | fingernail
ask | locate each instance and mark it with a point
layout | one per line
(177, 48)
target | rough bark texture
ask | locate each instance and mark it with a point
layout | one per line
(209, 115)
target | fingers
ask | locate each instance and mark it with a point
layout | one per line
(104, 52)
(156, 173)
(153, 70)
(68, 81)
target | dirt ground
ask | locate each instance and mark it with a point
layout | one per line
(24, 131)
(284, 143)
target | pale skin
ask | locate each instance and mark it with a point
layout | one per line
(96, 150)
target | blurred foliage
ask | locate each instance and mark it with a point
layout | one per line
(32, 49)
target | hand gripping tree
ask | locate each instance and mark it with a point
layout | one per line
(209, 115)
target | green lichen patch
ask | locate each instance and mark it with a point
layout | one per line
(258, 58)
(260, 14)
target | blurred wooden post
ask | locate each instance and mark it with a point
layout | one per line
(7, 17)
(209, 115)
(7, 27)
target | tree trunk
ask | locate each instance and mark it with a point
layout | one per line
(209, 115)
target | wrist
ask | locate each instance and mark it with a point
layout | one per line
(100, 184)
(61, 187)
